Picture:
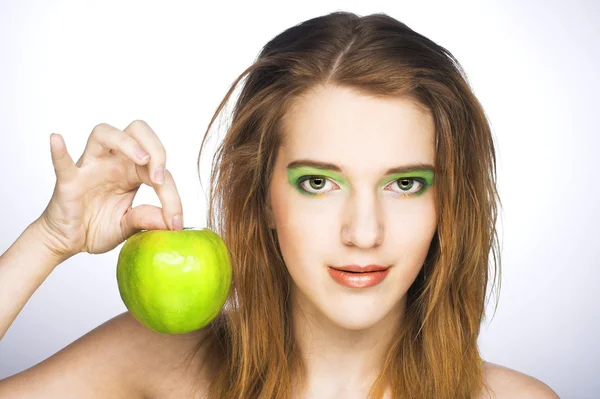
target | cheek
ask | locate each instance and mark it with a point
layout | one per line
(412, 254)
(304, 234)
(300, 239)
(409, 237)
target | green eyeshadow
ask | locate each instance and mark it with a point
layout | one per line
(424, 176)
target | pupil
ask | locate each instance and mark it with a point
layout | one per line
(319, 185)
(405, 180)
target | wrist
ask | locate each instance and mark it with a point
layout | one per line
(38, 233)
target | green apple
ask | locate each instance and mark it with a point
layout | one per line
(174, 282)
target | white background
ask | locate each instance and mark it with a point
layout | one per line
(67, 66)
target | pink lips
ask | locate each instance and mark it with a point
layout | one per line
(354, 276)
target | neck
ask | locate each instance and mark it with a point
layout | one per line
(341, 358)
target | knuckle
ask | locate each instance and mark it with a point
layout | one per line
(124, 140)
(99, 128)
(143, 133)
(138, 124)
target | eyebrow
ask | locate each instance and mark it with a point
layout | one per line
(333, 167)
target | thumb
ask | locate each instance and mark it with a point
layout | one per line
(142, 217)
(63, 164)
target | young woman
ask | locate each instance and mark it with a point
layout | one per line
(355, 141)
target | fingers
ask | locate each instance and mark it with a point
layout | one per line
(106, 138)
(64, 167)
(149, 140)
(142, 217)
(169, 198)
(149, 217)
(138, 135)
(164, 185)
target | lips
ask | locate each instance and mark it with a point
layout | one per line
(360, 269)
(363, 279)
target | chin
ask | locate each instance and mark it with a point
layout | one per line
(357, 314)
(355, 323)
(353, 310)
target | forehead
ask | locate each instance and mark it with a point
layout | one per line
(353, 130)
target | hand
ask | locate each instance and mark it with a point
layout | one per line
(90, 209)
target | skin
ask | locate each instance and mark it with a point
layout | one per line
(359, 218)
(359, 215)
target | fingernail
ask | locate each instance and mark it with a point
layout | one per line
(177, 223)
(141, 154)
(159, 175)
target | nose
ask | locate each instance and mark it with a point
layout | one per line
(363, 225)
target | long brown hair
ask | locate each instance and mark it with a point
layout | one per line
(250, 349)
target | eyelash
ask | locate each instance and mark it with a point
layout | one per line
(308, 178)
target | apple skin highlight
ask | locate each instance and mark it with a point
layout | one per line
(174, 282)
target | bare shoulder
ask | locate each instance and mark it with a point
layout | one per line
(506, 383)
(163, 365)
(118, 359)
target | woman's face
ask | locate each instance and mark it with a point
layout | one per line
(357, 214)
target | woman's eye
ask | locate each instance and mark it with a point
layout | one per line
(316, 183)
(406, 185)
